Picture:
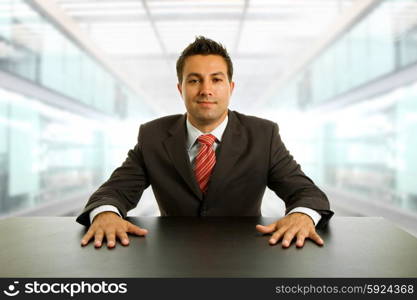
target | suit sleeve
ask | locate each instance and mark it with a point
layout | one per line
(288, 181)
(124, 187)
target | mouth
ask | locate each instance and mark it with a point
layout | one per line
(206, 104)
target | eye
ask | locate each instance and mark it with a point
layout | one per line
(192, 81)
(217, 79)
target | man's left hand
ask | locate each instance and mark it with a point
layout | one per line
(297, 225)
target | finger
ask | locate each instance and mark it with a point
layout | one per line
(111, 238)
(266, 229)
(131, 228)
(301, 236)
(277, 235)
(123, 237)
(288, 237)
(315, 237)
(87, 237)
(98, 238)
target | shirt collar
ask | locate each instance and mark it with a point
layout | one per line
(193, 133)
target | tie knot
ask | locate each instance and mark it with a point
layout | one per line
(207, 139)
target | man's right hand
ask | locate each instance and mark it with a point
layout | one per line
(110, 225)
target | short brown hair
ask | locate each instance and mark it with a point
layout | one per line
(204, 46)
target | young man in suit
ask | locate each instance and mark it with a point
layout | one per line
(208, 162)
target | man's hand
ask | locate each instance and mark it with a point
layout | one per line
(110, 225)
(297, 225)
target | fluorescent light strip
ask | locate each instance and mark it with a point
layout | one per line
(196, 9)
(107, 13)
(95, 5)
(211, 3)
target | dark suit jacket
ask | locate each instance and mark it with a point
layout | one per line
(250, 157)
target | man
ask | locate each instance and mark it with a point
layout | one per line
(209, 162)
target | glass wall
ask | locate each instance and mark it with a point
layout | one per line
(47, 153)
(33, 48)
(381, 43)
(367, 147)
(370, 149)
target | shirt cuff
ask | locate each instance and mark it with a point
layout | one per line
(314, 215)
(101, 209)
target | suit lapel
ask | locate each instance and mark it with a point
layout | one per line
(233, 143)
(176, 149)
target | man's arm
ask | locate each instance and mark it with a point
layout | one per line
(287, 180)
(122, 191)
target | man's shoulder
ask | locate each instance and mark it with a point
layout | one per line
(253, 121)
(163, 122)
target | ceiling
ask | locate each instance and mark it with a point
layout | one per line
(264, 38)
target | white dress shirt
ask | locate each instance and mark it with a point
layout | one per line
(192, 147)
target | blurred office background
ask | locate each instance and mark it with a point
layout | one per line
(78, 77)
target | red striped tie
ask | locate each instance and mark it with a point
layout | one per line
(205, 160)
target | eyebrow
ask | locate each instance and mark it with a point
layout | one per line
(212, 74)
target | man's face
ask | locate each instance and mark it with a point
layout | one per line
(206, 89)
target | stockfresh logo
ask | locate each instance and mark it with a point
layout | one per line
(11, 290)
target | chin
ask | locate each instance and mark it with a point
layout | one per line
(206, 119)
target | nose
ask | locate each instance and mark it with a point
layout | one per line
(206, 89)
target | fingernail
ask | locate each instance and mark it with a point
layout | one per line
(125, 241)
(272, 241)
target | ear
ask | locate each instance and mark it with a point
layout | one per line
(232, 87)
(179, 87)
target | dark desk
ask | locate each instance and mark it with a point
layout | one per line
(206, 247)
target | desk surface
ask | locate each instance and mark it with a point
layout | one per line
(206, 247)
